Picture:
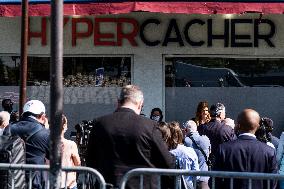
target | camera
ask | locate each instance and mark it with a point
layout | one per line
(265, 129)
(83, 130)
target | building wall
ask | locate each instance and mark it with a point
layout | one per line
(148, 65)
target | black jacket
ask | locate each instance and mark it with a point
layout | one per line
(217, 132)
(36, 138)
(123, 141)
(246, 154)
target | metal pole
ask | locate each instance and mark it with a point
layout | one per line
(56, 92)
(24, 42)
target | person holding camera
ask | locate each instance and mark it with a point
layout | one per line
(7, 106)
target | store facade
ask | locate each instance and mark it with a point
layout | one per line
(177, 60)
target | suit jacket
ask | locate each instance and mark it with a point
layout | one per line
(217, 132)
(123, 141)
(246, 154)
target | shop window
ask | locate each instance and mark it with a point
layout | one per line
(77, 71)
(223, 72)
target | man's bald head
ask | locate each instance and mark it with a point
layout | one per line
(248, 121)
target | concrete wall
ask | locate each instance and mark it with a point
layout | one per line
(80, 103)
(181, 103)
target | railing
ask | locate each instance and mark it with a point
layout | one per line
(249, 176)
(88, 177)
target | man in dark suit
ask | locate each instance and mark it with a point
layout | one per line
(216, 130)
(246, 154)
(124, 140)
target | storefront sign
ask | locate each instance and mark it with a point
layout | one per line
(174, 33)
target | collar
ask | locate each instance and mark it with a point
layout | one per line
(122, 109)
(33, 117)
(247, 134)
(215, 120)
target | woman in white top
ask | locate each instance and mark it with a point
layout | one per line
(70, 157)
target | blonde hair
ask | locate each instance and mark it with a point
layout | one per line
(4, 118)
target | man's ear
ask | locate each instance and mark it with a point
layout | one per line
(42, 118)
(140, 105)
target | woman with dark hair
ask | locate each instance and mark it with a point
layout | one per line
(156, 114)
(202, 115)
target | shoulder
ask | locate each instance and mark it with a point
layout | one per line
(70, 143)
(188, 141)
(204, 138)
(268, 148)
(204, 141)
(225, 127)
(231, 144)
(271, 145)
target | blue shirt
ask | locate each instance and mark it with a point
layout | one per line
(204, 143)
(187, 160)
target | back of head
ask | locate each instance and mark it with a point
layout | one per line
(248, 121)
(7, 105)
(216, 109)
(191, 126)
(34, 108)
(130, 94)
(63, 124)
(4, 118)
(176, 135)
(166, 133)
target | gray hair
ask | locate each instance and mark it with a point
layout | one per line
(216, 109)
(191, 125)
(130, 93)
(4, 118)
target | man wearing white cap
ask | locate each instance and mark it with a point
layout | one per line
(31, 129)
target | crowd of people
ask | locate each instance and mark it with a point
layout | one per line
(124, 140)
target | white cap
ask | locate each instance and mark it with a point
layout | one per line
(34, 106)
